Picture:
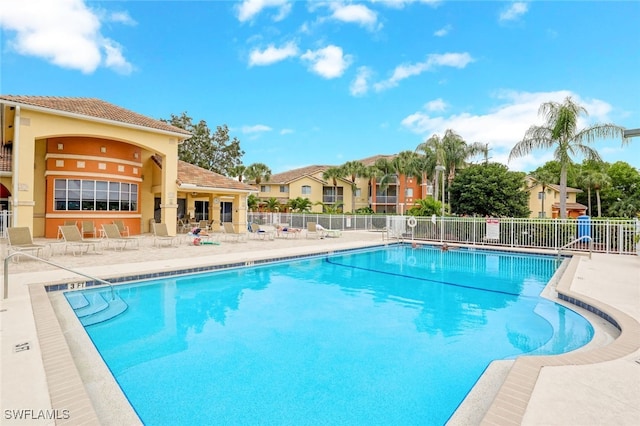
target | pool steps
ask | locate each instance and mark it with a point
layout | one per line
(94, 308)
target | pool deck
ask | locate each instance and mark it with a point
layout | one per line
(44, 372)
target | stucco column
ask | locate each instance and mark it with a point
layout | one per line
(22, 193)
(169, 194)
(240, 213)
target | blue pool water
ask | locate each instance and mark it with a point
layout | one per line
(386, 336)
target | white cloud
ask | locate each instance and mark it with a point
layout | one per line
(513, 12)
(249, 9)
(272, 54)
(443, 31)
(436, 105)
(399, 4)
(65, 33)
(354, 13)
(258, 128)
(360, 85)
(286, 131)
(329, 62)
(455, 60)
(122, 18)
(504, 126)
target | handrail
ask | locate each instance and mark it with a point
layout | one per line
(587, 237)
(6, 272)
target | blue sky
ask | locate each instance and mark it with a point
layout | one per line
(303, 83)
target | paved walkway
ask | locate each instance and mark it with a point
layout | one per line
(38, 371)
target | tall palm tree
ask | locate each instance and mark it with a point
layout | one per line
(560, 132)
(405, 164)
(332, 174)
(353, 170)
(238, 172)
(258, 172)
(386, 176)
(545, 178)
(599, 180)
(434, 147)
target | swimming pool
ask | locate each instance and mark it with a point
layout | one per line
(386, 336)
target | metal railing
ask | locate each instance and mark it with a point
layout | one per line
(20, 253)
(5, 222)
(608, 235)
(577, 240)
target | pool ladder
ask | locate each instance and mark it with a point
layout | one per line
(577, 240)
(16, 253)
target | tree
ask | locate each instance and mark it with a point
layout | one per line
(625, 185)
(258, 172)
(385, 175)
(489, 190)
(426, 207)
(544, 179)
(272, 204)
(596, 180)
(213, 152)
(300, 204)
(253, 202)
(406, 164)
(332, 174)
(353, 170)
(560, 132)
(238, 172)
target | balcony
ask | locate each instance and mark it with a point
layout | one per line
(386, 200)
(332, 199)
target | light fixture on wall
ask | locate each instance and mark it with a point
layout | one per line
(193, 194)
(60, 147)
(135, 155)
(103, 149)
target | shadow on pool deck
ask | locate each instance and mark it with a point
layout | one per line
(600, 386)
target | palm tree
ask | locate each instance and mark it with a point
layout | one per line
(545, 178)
(238, 171)
(599, 180)
(406, 164)
(353, 170)
(252, 202)
(258, 172)
(560, 131)
(385, 176)
(433, 147)
(300, 204)
(272, 205)
(332, 174)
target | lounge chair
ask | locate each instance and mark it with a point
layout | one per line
(262, 232)
(161, 234)
(88, 228)
(204, 225)
(285, 231)
(112, 235)
(66, 223)
(231, 234)
(73, 240)
(315, 230)
(122, 228)
(20, 241)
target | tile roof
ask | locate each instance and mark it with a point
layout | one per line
(552, 186)
(309, 171)
(370, 161)
(292, 175)
(190, 174)
(96, 108)
(571, 206)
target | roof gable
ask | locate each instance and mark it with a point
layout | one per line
(93, 108)
(198, 178)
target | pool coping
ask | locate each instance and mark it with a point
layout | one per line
(510, 404)
(508, 407)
